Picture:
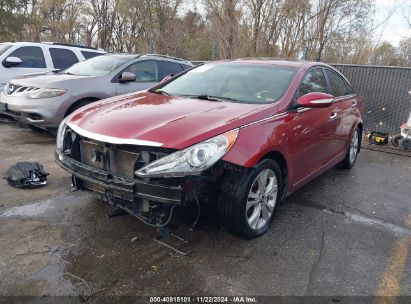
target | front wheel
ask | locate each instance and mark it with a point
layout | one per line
(79, 104)
(353, 150)
(248, 201)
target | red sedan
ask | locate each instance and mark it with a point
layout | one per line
(240, 135)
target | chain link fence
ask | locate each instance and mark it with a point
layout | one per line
(386, 94)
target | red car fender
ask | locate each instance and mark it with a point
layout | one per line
(256, 140)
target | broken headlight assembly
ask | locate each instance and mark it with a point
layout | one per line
(60, 134)
(192, 160)
(46, 93)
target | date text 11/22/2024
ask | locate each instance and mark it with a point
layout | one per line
(204, 299)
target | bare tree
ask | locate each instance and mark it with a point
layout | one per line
(225, 23)
(334, 18)
(258, 11)
(404, 52)
(104, 13)
(323, 30)
(130, 27)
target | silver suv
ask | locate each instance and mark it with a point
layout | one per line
(20, 58)
(44, 100)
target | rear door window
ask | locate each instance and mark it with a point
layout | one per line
(339, 87)
(145, 71)
(62, 58)
(32, 57)
(169, 68)
(89, 55)
(314, 81)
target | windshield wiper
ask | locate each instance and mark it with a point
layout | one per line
(159, 92)
(209, 97)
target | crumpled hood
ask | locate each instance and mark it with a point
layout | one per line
(175, 122)
(49, 80)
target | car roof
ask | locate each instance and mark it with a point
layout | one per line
(291, 63)
(124, 55)
(150, 56)
(86, 48)
(168, 58)
(56, 44)
(271, 61)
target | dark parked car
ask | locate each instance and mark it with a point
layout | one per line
(240, 135)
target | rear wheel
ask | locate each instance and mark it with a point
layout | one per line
(405, 144)
(353, 149)
(248, 201)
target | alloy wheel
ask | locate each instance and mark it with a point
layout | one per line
(261, 199)
(354, 146)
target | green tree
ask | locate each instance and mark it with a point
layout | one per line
(385, 54)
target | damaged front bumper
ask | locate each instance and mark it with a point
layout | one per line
(136, 189)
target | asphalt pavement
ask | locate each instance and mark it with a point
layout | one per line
(347, 233)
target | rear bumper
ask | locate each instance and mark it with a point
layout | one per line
(136, 189)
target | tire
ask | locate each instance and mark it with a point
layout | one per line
(405, 144)
(395, 140)
(240, 200)
(350, 158)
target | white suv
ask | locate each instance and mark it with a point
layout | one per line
(21, 58)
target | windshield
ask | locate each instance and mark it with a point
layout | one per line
(4, 47)
(248, 83)
(97, 66)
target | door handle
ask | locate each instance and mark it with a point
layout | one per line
(333, 115)
(354, 103)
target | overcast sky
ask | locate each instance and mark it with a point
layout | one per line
(396, 28)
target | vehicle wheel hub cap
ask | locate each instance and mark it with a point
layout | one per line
(261, 199)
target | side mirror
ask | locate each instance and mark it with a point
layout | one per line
(10, 62)
(167, 78)
(127, 77)
(315, 100)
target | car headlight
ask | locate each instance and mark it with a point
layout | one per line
(192, 160)
(46, 93)
(60, 134)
